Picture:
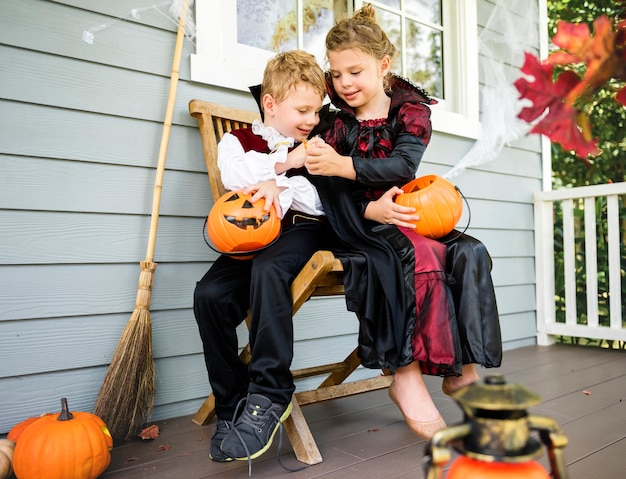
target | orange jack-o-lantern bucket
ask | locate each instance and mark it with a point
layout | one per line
(437, 202)
(237, 226)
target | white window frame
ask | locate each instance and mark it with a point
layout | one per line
(220, 60)
(460, 113)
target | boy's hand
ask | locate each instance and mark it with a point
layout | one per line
(385, 210)
(295, 159)
(268, 190)
(322, 159)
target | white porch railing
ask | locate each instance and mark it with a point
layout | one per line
(579, 208)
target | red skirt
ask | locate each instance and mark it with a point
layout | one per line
(435, 337)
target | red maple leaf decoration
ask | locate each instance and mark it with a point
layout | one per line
(560, 122)
(555, 99)
(597, 52)
(540, 91)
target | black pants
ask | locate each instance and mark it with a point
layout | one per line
(262, 284)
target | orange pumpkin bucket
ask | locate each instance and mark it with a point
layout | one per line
(237, 226)
(437, 202)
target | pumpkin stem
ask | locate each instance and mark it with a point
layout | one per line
(65, 415)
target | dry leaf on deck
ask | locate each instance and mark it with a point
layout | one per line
(150, 432)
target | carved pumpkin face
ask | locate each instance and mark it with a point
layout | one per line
(236, 225)
(436, 201)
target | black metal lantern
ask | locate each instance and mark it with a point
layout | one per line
(494, 440)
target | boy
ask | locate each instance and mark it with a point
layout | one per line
(251, 402)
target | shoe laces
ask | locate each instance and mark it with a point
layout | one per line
(247, 417)
(253, 417)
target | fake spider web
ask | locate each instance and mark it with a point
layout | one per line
(171, 10)
(510, 30)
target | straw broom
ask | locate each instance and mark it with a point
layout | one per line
(126, 397)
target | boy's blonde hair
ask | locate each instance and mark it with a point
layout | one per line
(362, 31)
(285, 70)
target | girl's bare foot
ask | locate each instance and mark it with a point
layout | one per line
(424, 429)
(451, 384)
(410, 394)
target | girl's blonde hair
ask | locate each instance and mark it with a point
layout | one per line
(362, 31)
(285, 70)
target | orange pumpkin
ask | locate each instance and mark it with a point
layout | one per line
(17, 430)
(236, 225)
(63, 446)
(437, 202)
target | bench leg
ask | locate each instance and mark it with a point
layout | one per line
(300, 436)
(206, 412)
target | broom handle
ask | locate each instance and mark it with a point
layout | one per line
(165, 137)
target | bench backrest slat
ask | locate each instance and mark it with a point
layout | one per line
(213, 121)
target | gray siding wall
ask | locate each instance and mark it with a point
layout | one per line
(500, 195)
(79, 137)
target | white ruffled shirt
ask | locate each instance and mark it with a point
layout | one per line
(240, 169)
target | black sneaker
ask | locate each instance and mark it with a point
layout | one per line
(222, 429)
(253, 432)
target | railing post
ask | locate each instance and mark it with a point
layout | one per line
(544, 261)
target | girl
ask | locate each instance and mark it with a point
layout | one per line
(375, 144)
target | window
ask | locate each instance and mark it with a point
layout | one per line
(417, 32)
(437, 43)
(436, 39)
(235, 38)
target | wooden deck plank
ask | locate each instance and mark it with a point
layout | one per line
(397, 464)
(608, 462)
(595, 431)
(581, 402)
(364, 436)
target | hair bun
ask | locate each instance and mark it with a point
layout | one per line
(366, 13)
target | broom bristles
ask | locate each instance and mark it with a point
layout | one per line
(126, 397)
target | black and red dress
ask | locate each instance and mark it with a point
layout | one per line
(449, 314)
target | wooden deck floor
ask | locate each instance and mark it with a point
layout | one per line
(362, 437)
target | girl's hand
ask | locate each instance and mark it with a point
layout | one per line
(268, 190)
(385, 210)
(322, 159)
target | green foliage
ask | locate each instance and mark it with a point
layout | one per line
(607, 115)
(578, 11)
(609, 120)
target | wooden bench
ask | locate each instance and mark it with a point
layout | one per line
(321, 276)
